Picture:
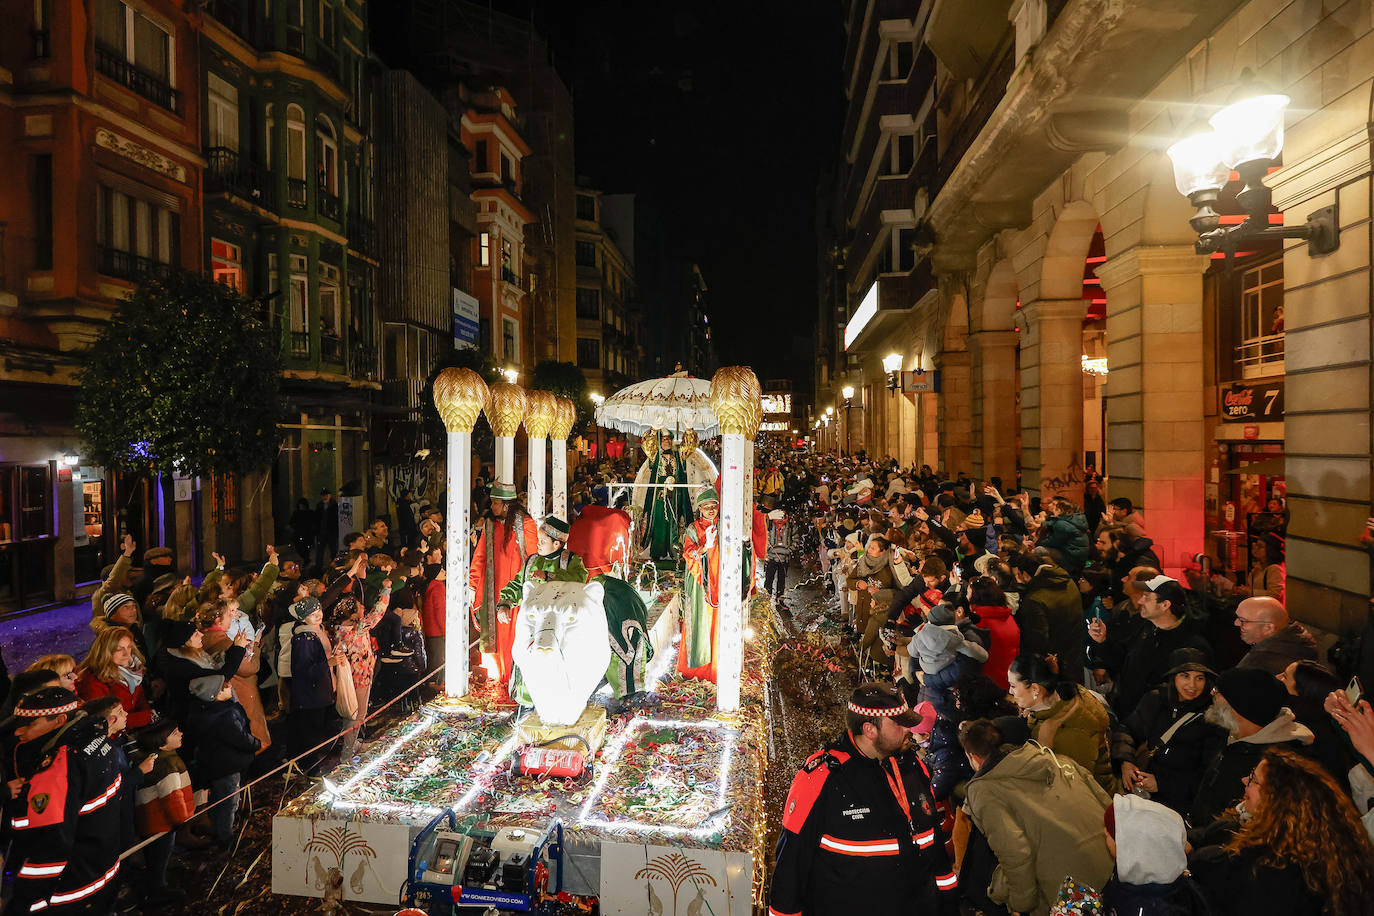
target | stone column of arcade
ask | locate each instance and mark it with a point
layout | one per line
(565, 415)
(735, 398)
(458, 395)
(540, 412)
(505, 409)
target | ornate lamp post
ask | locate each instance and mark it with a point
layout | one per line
(540, 411)
(505, 409)
(892, 365)
(458, 395)
(847, 392)
(735, 398)
(565, 415)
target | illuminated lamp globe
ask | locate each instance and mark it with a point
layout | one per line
(892, 362)
(847, 392)
(1200, 172)
(1251, 129)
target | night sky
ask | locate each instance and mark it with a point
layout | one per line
(725, 113)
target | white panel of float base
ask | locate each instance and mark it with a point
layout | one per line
(674, 881)
(371, 859)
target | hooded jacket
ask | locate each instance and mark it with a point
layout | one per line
(1150, 863)
(1067, 534)
(1042, 816)
(1291, 644)
(1078, 729)
(1221, 785)
(937, 647)
(224, 744)
(1050, 616)
(1004, 640)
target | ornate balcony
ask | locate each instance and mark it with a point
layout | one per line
(153, 88)
(226, 172)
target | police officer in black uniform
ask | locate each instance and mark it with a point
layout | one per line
(860, 829)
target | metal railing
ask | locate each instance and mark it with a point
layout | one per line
(327, 204)
(1260, 356)
(300, 344)
(153, 88)
(297, 192)
(127, 266)
(362, 363)
(331, 348)
(509, 275)
(226, 171)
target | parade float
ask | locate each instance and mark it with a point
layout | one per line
(622, 784)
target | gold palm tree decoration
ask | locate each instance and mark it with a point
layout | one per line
(677, 870)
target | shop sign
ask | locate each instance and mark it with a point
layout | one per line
(1253, 402)
(914, 380)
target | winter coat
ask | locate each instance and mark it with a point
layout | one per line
(1139, 665)
(224, 743)
(937, 647)
(946, 757)
(1004, 640)
(1077, 729)
(1151, 866)
(1178, 765)
(312, 677)
(135, 703)
(1050, 616)
(434, 614)
(1237, 884)
(1043, 819)
(1221, 785)
(245, 681)
(164, 801)
(1181, 897)
(1067, 534)
(1274, 653)
(107, 588)
(779, 540)
(180, 670)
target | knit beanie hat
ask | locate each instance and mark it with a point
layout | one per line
(1254, 694)
(942, 615)
(175, 633)
(116, 601)
(305, 607)
(207, 687)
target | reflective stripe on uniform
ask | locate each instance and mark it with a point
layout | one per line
(49, 870)
(925, 839)
(86, 891)
(100, 800)
(947, 882)
(860, 847)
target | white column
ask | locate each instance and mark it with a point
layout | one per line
(734, 527)
(505, 458)
(559, 497)
(538, 449)
(457, 600)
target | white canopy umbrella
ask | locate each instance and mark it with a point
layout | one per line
(677, 402)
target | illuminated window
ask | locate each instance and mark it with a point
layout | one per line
(484, 249)
(1260, 351)
(226, 264)
(295, 142)
(223, 114)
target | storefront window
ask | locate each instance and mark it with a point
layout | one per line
(26, 535)
(88, 530)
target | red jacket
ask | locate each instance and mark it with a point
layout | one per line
(89, 687)
(600, 536)
(760, 534)
(509, 559)
(1005, 642)
(434, 615)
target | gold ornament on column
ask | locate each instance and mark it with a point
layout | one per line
(649, 444)
(505, 408)
(689, 443)
(564, 418)
(541, 409)
(459, 395)
(736, 401)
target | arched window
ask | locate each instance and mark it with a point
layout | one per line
(295, 142)
(326, 155)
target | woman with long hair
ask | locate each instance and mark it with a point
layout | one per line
(1300, 850)
(1309, 684)
(184, 657)
(115, 668)
(1063, 716)
(216, 639)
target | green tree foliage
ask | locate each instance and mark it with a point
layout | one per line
(184, 376)
(565, 380)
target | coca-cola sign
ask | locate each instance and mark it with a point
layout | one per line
(1263, 402)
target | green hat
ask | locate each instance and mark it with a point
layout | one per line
(502, 490)
(707, 495)
(555, 528)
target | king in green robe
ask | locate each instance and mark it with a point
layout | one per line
(665, 511)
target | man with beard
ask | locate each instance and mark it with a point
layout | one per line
(1251, 705)
(508, 538)
(860, 831)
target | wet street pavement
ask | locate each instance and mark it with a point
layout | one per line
(26, 637)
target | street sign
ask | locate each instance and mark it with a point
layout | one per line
(920, 380)
(466, 319)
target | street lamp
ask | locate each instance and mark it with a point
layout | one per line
(892, 365)
(847, 392)
(1246, 136)
(597, 401)
(511, 375)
